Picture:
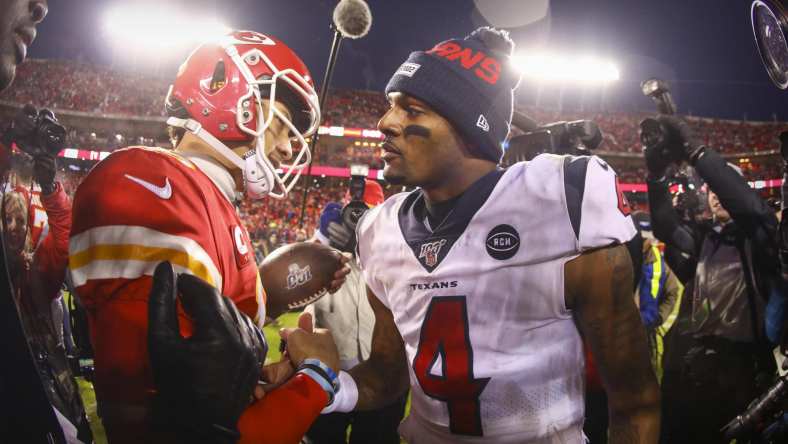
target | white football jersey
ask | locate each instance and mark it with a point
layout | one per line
(493, 353)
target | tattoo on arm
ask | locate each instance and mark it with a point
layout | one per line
(384, 376)
(599, 284)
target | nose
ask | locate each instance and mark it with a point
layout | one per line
(285, 149)
(387, 124)
(38, 10)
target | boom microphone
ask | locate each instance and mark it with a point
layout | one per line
(353, 18)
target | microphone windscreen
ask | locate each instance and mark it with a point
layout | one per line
(353, 18)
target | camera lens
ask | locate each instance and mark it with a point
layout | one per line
(769, 26)
(54, 137)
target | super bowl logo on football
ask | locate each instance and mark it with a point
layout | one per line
(429, 252)
(298, 276)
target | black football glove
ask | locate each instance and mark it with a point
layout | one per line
(203, 382)
(44, 166)
(341, 237)
(680, 139)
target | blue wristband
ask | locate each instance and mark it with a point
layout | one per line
(322, 374)
(324, 367)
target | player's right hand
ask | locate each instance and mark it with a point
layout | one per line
(305, 341)
(203, 382)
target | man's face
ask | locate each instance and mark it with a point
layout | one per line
(278, 138)
(721, 214)
(15, 223)
(18, 20)
(421, 147)
(278, 143)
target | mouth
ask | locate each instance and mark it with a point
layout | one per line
(390, 151)
(23, 38)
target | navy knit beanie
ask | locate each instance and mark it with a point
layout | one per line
(470, 83)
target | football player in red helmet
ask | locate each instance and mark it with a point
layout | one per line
(239, 108)
(220, 96)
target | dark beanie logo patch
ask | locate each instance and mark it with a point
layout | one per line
(483, 124)
(503, 242)
(408, 69)
(487, 68)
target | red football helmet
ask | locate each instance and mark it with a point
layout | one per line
(218, 93)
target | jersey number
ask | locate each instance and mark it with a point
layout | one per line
(623, 203)
(444, 335)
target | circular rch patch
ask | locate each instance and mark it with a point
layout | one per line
(502, 242)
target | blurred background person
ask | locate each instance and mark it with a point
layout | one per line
(37, 256)
(658, 293)
(729, 358)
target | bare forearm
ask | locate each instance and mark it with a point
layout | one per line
(379, 384)
(600, 283)
(639, 426)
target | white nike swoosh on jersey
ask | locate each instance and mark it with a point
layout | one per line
(164, 192)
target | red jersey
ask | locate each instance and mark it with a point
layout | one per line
(136, 208)
(37, 215)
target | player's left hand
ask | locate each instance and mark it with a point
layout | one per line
(203, 382)
(341, 275)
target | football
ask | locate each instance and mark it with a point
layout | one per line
(296, 275)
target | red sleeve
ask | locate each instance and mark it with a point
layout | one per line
(51, 257)
(285, 414)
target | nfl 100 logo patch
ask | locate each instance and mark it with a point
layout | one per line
(429, 252)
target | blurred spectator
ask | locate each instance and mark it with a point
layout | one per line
(38, 268)
(729, 267)
(658, 292)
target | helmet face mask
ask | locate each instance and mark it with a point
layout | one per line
(258, 68)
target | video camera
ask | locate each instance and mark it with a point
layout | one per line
(356, 208)
(760, 413)
(691, 201)
(652, 132)
(352, 212)
(578, 137)
(36, 132)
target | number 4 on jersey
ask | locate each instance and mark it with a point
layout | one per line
(444, 335)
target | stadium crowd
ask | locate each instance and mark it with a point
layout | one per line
(102, 90)
(98, 89)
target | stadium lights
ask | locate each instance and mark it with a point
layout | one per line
(146, 26)
(564, 68)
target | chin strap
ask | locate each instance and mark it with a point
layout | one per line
(196, 128)
(259, 180)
